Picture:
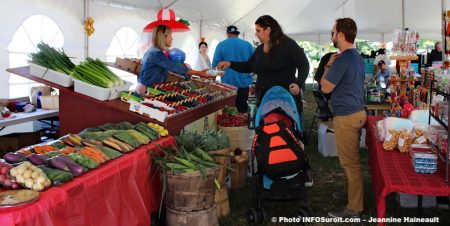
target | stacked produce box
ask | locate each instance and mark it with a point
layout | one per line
(168, 99)
(235, 125)
(91, 77)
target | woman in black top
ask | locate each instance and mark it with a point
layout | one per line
(275, 61)
(320, 69)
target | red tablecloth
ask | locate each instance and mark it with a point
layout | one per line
(120, 192)
(392, 171)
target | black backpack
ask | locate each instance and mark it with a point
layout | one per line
(278, 151)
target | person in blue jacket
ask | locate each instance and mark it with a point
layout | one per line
(156, 63)
(235, 49)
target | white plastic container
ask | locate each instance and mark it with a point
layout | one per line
(326, 141)
(100, 93)
(148, 111)
(51, 75)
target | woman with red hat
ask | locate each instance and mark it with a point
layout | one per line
(156, 63)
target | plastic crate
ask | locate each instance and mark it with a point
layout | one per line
(51, 75)
(100, 93)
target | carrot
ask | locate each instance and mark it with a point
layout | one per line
(98, 152)
(42, 149)
(67, 150)
(89, 155)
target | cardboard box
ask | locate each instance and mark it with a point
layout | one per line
(129, 65)
(138, 68)
(410, 201)
(326, 140)
(50, 102)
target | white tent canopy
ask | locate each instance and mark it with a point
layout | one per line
(308, 20)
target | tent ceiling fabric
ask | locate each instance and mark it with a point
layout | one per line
(307, 17)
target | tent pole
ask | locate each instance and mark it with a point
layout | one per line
(443, 29)
(403, 14)
(86, 37)
(200, 28)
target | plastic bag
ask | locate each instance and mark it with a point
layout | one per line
(29, 176)
(6, 179)
(381, 132)
(390, 143)
(404, 142)
(393, 123)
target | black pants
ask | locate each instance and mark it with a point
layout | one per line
(241, 100)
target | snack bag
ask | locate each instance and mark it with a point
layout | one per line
(404, 142)
(390, 143)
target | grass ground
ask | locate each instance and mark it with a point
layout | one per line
(328, 177)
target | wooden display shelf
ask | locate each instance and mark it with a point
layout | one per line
(78, 111)
(403, 60)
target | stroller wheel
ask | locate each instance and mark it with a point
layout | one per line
(262, 216)
(252, 216)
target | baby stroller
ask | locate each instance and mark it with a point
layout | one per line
(281, 163)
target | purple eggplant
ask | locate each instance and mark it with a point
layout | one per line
(73, 167)
(37, 160)
(58, 163)
(14, 157)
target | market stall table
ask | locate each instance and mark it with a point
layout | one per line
(17, 118)
(392, 171)
(78, 111)
(120, 192)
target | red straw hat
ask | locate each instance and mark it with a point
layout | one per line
(167, 17)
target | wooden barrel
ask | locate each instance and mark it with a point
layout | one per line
(223, 160)
(222, 203)
(191, 191)
(238, 178)
(206, 217)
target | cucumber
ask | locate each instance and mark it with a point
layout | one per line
(56, 176)
(84, 160)
(111, 153)
(147, 131)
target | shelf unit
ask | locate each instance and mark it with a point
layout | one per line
(446, 126)
(78, 111)
(404, 60)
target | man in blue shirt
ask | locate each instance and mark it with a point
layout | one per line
(344, 76)
(235, 49)
(383, 72)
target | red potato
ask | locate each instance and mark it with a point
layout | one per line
(4, 170)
